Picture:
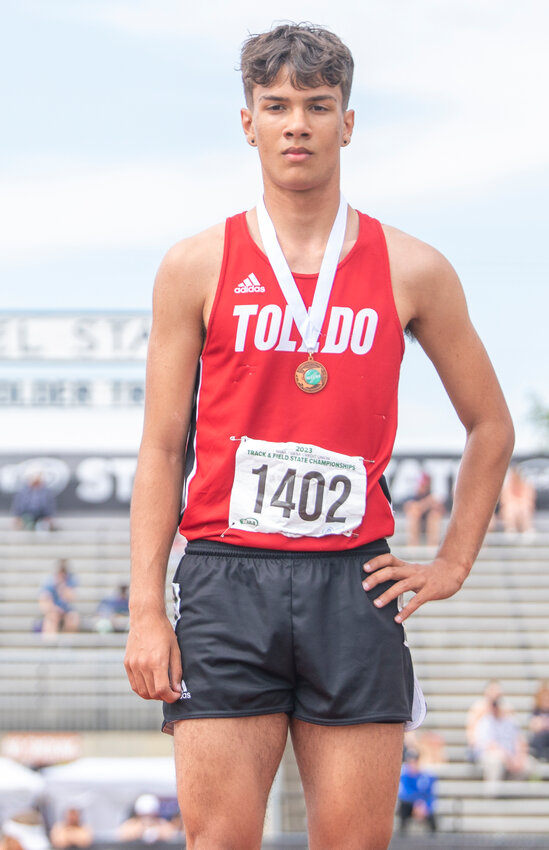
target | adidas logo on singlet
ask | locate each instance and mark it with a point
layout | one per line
(249, 284)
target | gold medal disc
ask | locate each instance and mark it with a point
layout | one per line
(311, 377)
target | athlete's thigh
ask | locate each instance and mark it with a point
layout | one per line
(225, 768)
(350, 778)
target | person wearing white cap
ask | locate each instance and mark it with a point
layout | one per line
(146, 824)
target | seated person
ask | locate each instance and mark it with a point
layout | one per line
(56, 601)
(25, 831)
(146, 824)
(517, 503)
(539, 724)
(33, 505)
(492, 691)
(70, 832)
(416, 793)
(113, 614)
(423, 506)
(499, 746)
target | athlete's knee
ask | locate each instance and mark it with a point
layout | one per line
(207, 829)
(227, 838)
(333, 833)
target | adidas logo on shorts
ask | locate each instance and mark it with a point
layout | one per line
(249, 284)
(185, 694)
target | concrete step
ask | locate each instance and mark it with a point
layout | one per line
(487, 623)
(27, 595)
(532, 793)
(48, 540)
(461, 685)
(530, 669)
(516, 594)
(87, 521)
(498, 547)
(13, 610)
(92, 579)
(59, 548)
(512, 639)
(444, 718)
(38, 715)
(20, 674)
(511, 824)
(456, 606)
(484, 655)
(77, 564)
(462, 702)
(63, 652)
(91, 640)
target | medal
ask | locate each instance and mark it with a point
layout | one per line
(310, 376)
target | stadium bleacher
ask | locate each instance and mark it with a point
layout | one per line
(496, 627)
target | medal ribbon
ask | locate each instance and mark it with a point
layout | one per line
(308, 323)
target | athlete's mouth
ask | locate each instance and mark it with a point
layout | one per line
(297, 153)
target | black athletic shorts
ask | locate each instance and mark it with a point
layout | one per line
(264, 631)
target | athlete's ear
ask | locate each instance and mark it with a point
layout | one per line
(348, 124)
(248, 125)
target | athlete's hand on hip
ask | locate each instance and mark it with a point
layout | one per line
(437, 580)
(153, 659)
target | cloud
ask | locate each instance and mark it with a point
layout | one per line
(124, 204)
(481, 71)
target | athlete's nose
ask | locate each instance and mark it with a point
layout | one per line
(297, 125)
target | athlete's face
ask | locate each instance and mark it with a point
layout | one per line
(298, 132)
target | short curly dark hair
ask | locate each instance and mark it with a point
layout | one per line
(314, 56)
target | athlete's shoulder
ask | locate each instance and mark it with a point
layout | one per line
(419, 258)
(424, 281)
(190, 269)
(196, 253)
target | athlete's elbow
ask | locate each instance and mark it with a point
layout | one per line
(504, 434)
(497, 435)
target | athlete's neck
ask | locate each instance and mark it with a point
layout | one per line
(303, 221)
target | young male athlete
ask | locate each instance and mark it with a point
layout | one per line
(278, 389)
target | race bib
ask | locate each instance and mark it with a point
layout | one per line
(296, 489)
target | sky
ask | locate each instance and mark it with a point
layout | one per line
(121, 135)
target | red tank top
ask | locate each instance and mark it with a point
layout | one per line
(267, 464)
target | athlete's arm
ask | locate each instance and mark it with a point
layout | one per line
(183, 290)
(430, 300)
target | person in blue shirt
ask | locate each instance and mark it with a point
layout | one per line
(34, 505)
(57, 601)
(113, 613)
(416, 793)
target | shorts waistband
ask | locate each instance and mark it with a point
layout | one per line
(215, 547)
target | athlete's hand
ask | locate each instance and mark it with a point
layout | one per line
(153, 659)
(437, 580)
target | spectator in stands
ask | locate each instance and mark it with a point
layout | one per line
(517, 503)
(25, 831)
(416, 793)
(423, 507)
(492, 691)
(33, 505)
(57, 601)
(499, 747)
(146, 824)
(539, 723)
(113, 613)
(429, 744)
(70, 832)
